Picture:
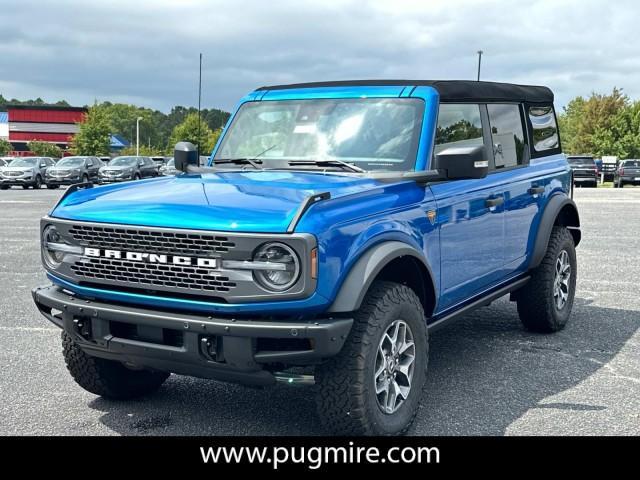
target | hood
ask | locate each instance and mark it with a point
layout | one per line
(17, 169)
(235, 201)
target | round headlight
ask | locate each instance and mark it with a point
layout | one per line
(285, 263)
(51, 238)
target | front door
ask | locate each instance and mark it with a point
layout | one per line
(470, 213)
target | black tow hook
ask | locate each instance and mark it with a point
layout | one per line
(82, 328)
(210, 347)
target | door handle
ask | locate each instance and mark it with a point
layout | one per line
(493, 202)
(536, 190)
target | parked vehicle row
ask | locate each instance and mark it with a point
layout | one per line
(37, 171)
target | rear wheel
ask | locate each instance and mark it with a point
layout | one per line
(545, 303)
(136, 176)
(37, 184)
(85, 178)
(374, 385)
(107, 378)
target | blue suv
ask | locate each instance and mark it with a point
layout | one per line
(336, 225)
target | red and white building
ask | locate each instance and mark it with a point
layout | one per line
(51, 124)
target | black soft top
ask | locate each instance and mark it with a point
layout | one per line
(449, 90)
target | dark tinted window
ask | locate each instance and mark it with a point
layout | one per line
(545, 130)
(459, 125)
(581, 160)
(630, 163)
(507, 135)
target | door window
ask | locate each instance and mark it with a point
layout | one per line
(507, 135)
(459, 125)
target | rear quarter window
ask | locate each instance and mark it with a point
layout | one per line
(544, 128)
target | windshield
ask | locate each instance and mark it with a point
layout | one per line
(372, 133)
(582, 160)
(25, 162)
(71, 162)
(123, 162)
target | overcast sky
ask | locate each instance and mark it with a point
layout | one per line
(146, 51)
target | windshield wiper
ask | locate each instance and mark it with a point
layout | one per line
(241, 161)
(329, 162)
(253, 161)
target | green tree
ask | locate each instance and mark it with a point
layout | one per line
(5, 147)
(586, 125)
(93, 137)
(187, 131)
(44, 149)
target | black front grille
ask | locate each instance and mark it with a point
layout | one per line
(151, 241)
(150, 275)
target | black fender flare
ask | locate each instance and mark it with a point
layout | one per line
(562, 208)
(367, 268)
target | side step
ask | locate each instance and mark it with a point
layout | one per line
(482, 301)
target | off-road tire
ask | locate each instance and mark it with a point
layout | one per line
(108, 378)
(536, 306)
(345, 397)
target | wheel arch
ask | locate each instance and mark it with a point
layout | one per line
(560, 211)
(392, 261)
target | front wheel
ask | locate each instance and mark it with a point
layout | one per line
(545, 303)
(108, 378)
(374, 385)
(136, 176)
(38, 182)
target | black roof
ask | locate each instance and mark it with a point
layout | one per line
(449, 90)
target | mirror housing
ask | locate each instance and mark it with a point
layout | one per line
(463, 162)
(185, 154)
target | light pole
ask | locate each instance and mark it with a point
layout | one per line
(138, 136)
(480, 52)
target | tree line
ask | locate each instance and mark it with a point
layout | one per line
(601, 124)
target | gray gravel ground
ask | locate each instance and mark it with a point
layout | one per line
(487, 376)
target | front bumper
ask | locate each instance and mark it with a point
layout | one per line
(62, 180)
(227, 349)
(114, 179)
(17, 181)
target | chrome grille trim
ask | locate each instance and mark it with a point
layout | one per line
(149, 275)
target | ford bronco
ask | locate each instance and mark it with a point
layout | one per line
(336, 225)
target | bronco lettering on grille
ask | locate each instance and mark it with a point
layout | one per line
(150, 257)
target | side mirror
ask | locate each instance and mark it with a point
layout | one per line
(185, 154)
(463, 162)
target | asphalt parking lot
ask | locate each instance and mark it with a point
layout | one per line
(487, 376)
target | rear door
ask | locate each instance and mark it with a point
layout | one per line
(470, 213)
(520, 184)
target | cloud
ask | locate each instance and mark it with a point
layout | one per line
(146, 52)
